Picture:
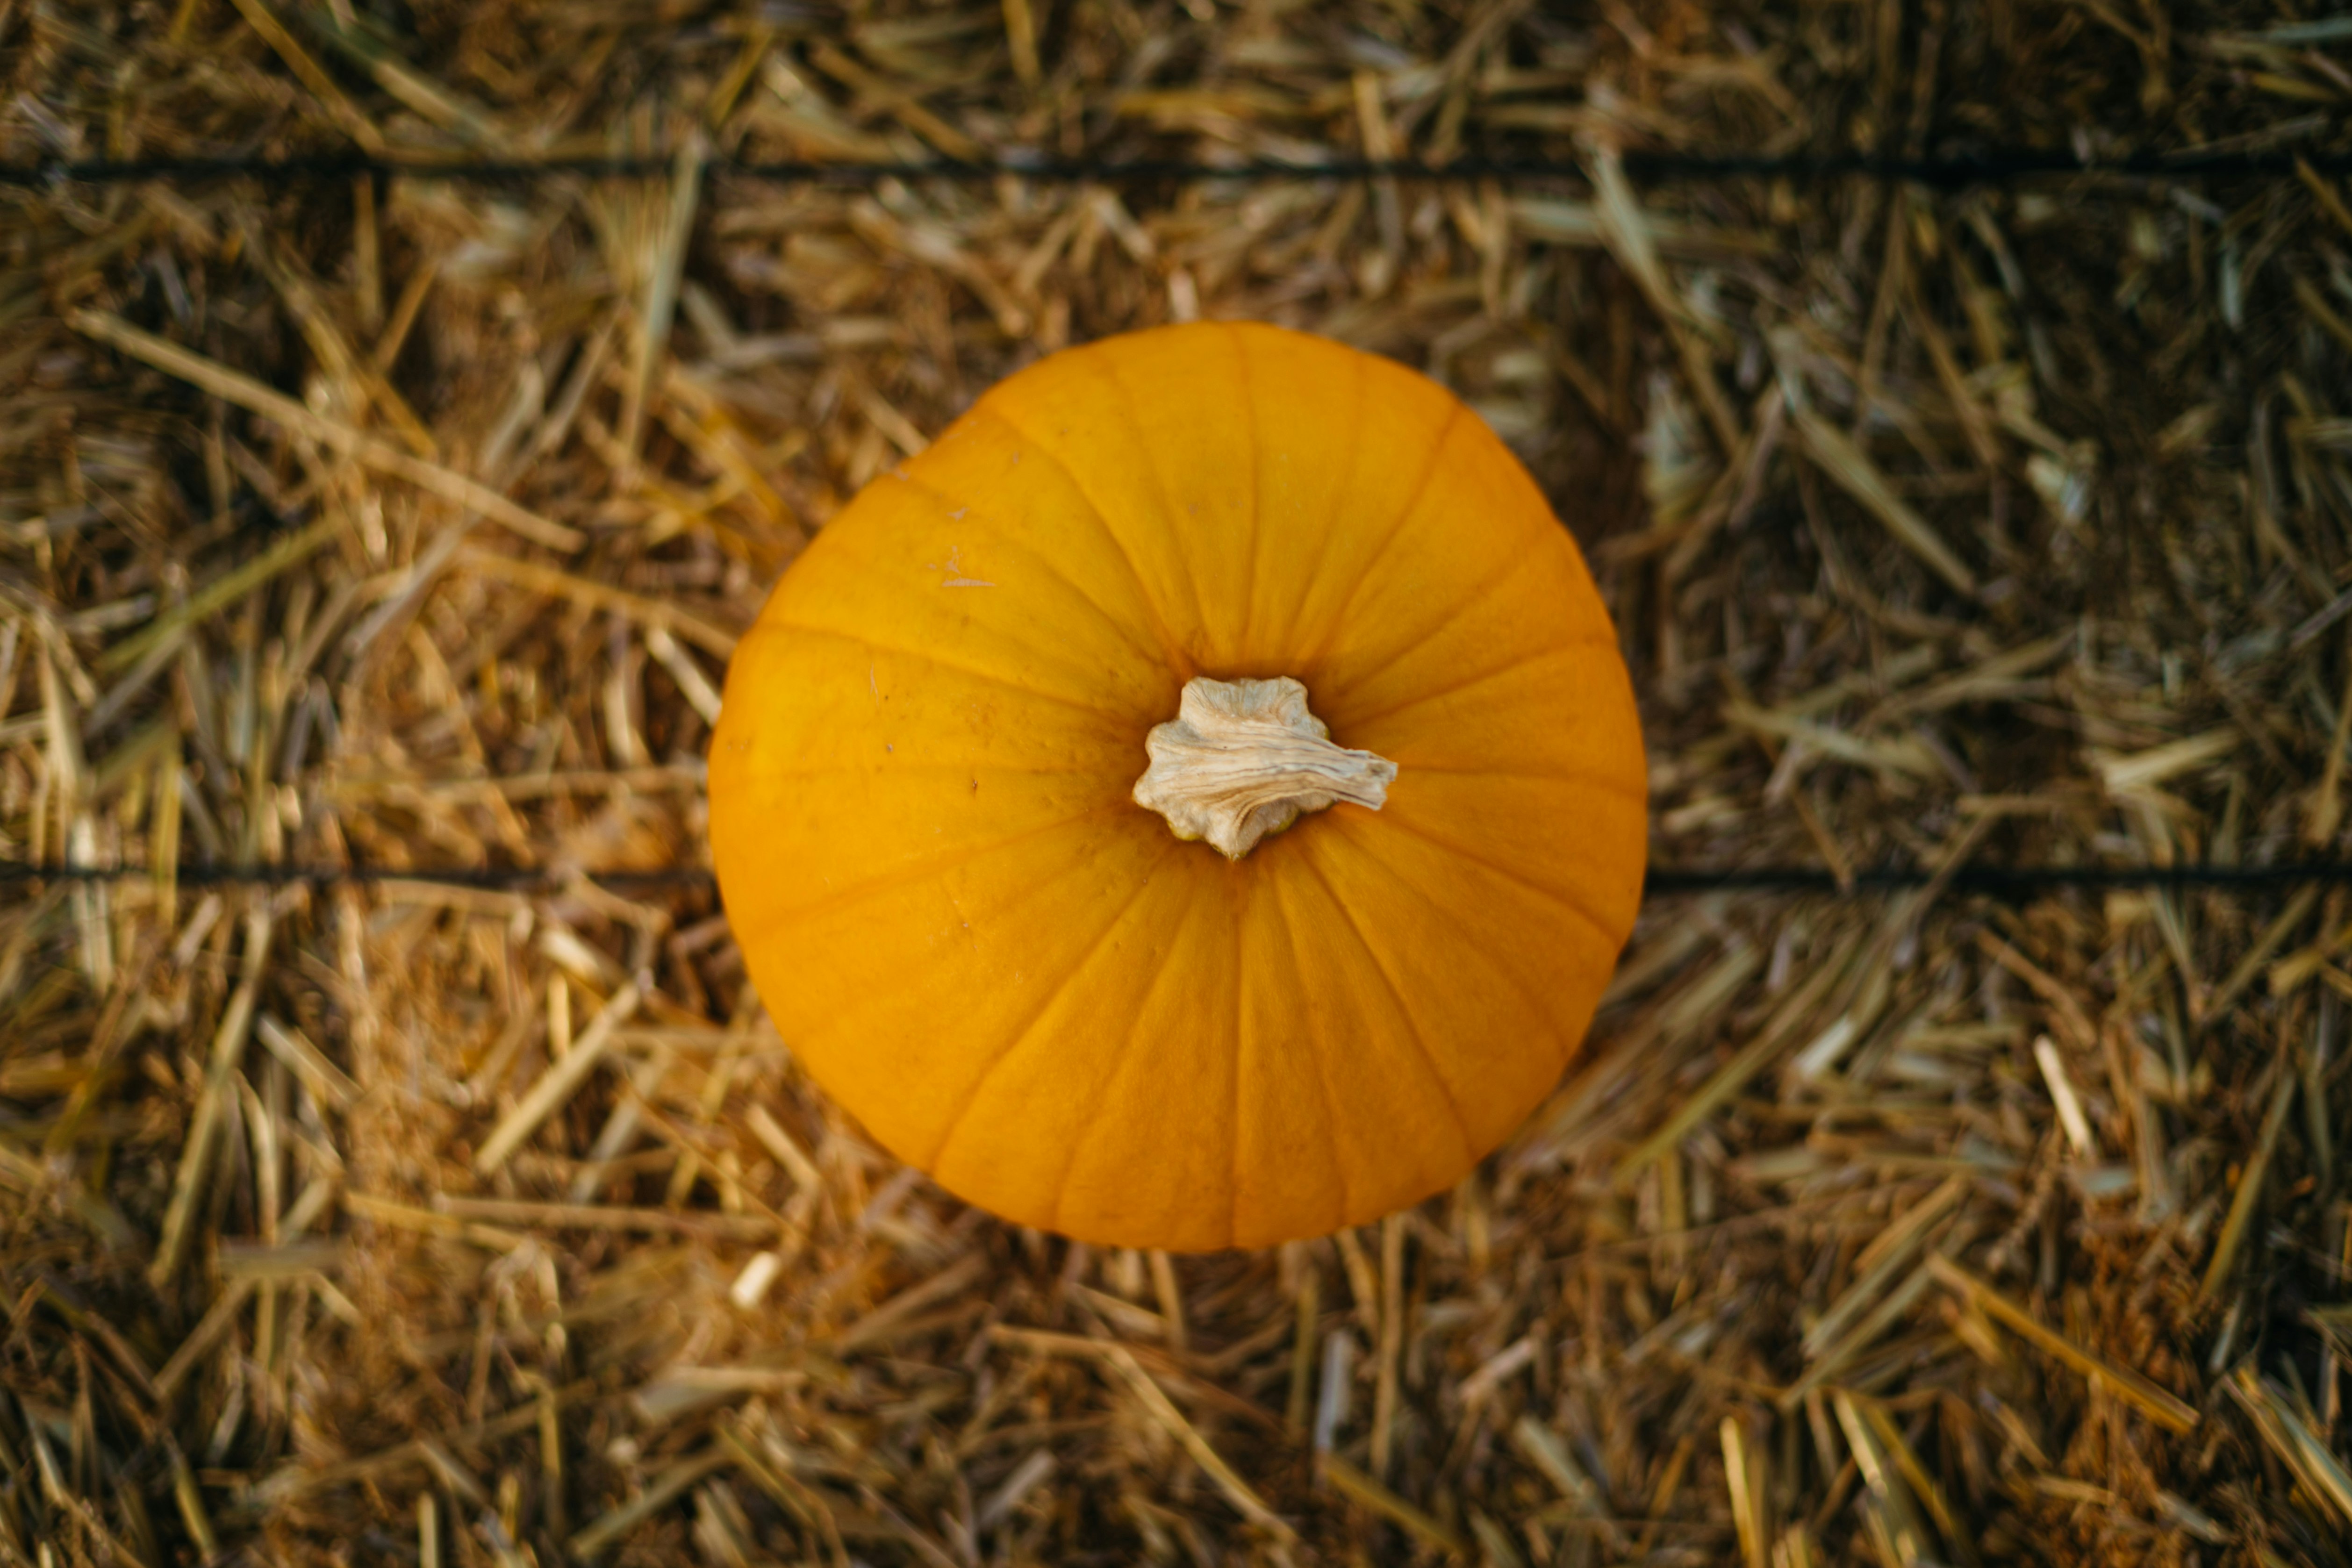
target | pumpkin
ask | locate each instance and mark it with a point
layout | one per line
(1198, 802)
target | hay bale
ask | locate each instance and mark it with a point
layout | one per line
(396, 1166)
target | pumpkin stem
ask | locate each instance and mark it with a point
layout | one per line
(1243, 758)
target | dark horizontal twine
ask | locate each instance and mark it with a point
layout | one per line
(1662, 880)
(1991, 166)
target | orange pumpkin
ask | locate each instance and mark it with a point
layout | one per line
(969, 752)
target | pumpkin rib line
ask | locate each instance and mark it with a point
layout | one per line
(1109, 373)
(1233, 1167)
(847, 771)
(937, 663)
(1020, 1037)
(842, 898)
(1091, 1122)
(1171, 649)
(1475, 594)
(1003, 535)
(1411, 1024)
(1451, 920)
(1347, 483)
(1322, 1072)
(1597, 782)
(1506, 872)
(1404, 513)
(1249, 423)
(1358, 721)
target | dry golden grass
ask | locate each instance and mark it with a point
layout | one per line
(406, 524)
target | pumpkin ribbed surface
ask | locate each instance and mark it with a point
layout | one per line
(1021, 980)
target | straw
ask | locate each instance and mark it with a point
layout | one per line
(472, 1211)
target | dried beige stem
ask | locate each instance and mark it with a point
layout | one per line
(1243, 758)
